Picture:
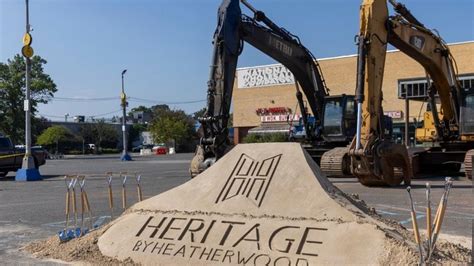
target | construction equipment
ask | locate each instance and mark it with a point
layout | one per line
(334, 121)
(468, 163)
(374, 156)
(449, 130)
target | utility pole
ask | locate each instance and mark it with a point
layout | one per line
(28, 171)
(123, 97)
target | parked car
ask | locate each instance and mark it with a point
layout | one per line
(160, 149)
(11, 157)
(142, 146)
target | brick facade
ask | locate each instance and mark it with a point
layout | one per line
(340, 76)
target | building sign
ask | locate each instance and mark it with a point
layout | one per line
(394, 114)
(279, 118)
(273, 110)
(250, 171)
(276, 114)
(264, 76)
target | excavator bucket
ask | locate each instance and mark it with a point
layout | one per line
(380, 169)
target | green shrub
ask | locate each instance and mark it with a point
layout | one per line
(270, 137)
(74, 152)
(276, 137)
(109, 151)
(252, 138)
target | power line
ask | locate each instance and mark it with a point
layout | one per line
(108, 113)
(52, 116)
(97, 115)
(136, 99)
(76, 99)
(130, 98)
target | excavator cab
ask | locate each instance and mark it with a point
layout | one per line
(339, 120)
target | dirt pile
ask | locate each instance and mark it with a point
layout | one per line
(82, 249)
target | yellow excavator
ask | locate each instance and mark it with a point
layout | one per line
(449, 131)
(374, 157)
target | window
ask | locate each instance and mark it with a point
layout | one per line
(350, 108)
(333, 118)
(467, 115)
(5, 143)
(467, 81)
(418, 88)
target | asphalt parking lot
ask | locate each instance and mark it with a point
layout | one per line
(35, 210)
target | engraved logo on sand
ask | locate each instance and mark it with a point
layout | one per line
(250, 179)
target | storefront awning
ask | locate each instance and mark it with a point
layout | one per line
(266, 128)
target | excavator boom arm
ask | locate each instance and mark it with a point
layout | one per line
(433, 54)
(374, 157)
(232, 31)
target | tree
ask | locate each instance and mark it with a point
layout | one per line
(140, 108)
(86, 133)
(134, 133)
(106, 135)
(199, 113)
(101, 134)
(39, 125)
(53, 135)
(173, 125)
(160, 110)
(12, 93)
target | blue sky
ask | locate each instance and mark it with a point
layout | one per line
(166, 44)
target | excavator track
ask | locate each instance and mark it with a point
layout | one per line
(468, 163)
(336, 162)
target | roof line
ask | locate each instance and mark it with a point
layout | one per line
(343, 56)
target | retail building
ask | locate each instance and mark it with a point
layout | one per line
(264, 96)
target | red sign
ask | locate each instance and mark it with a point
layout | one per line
(273, 111)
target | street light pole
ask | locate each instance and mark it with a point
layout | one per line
(123, 96)
(28, 171)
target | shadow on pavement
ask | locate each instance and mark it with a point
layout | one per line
(12, 178)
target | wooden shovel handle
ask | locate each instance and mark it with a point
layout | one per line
(439, 221)
(68, 205)
(140, 196)
(415, 227)
(86, 199)
(428, 222)
(73, 201)
(111, 199)
(124, 198)
(83, 203)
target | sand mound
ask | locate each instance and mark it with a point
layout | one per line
(82, 249)
(260, 204)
